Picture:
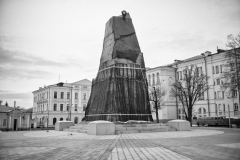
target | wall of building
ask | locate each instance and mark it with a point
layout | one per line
(71, 98)
(216, 101)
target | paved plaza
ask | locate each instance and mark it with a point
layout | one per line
(199, 143)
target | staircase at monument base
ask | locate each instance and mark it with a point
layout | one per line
(142, 128)
(126, 128)
(79, 128)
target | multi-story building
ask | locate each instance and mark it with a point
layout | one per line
(163, 77)
(62, 101)
(215, 102)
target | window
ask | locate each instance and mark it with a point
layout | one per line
(4, 122)
(199, 111)
(179, 111)
(61, 119)
(221, 82)
(153, 79)
(158, 78)
(68, 95)
(55, 107)
(218, 81)
(234, 93)
(67, 107)
(75, 107)
(220, 68)
(219, 94)
(76, 120)
(224, 109)
(222, 94)
(47, 94)
(204, 111)
(217, 69)
(84, 107)
(76, 95)
(213, 70)
(216, 109)
(54, 121)
(199, 71)
(84, 96)
(62, 95)
(55, 94)
(235, 107)
(180, 75)
(149, 79)
(214, 83)
(231, 66)
(215, 95)
(219, 107)
(61, 107)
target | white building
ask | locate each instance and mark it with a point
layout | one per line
(215, 102)
(163, 76)
(60, 101)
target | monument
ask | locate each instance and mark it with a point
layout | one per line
(120, 90)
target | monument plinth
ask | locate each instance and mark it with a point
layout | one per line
(120, 91)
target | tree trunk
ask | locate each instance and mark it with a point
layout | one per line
(190, 115)
(156, 108)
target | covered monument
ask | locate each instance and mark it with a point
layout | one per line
(120, 90)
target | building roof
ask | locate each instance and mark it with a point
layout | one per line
(5, 109)
(83, 82)
(191, 58)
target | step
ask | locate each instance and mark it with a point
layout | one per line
(75, 130)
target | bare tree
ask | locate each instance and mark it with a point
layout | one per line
(190, 89)
(156, 95)
(232, 74)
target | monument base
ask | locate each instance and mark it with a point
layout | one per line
(101, 128)
(180, 125)
(60, 125)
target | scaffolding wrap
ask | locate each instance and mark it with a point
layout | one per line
(120, 91)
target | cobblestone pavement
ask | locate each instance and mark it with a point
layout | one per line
(200, 143)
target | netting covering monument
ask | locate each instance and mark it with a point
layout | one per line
(120, 91)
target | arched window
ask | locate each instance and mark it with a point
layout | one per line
(61, 119)
(235, 107)
(54, 121)
(153, 79)
(199, 111)
(158, 78)
(84, 107)
(204, 111)
(76, 120)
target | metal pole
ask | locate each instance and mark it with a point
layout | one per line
(13, 116)
(229, 116)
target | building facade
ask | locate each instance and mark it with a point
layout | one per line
(62, 101)
(163, 77)
(215, 102)
(15, 119)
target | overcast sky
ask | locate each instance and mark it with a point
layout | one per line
(42, 39)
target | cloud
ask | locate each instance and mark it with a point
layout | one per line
(13, 95)
(18, 73)
(22, 58)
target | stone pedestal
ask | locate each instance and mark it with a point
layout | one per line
(35, 124)
(101, 128)
(60, 125)
(180, 125)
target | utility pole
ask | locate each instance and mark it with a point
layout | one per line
(229, 120)
(13, 117)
